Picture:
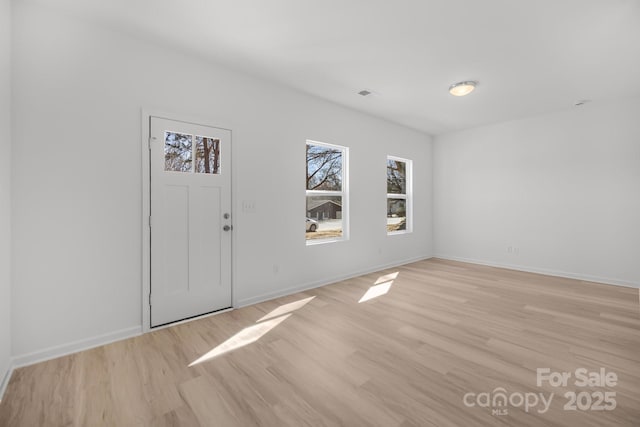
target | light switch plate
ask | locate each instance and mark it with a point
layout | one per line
(249, 206)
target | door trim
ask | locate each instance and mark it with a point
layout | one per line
(145, 120)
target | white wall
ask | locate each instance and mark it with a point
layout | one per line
(5, 189)
(564, 189)
(77, 177)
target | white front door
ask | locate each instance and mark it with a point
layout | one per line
(190, 220)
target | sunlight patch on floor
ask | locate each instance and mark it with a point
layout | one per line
(380, 287)
(245, 337)
(375, 291)
(286, 308)
(387, 278)
(253, 333)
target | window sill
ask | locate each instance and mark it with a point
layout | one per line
(315, 242)
(395, 233)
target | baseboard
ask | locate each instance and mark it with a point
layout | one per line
(5, 379)
(86, 344)
(327, 281)
(548, 272)
(74, 347)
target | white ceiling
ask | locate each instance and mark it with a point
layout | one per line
(529, 57)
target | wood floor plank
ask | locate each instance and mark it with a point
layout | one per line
(327, 357)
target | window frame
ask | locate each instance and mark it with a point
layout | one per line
(407, 196)
(343, 193)
(194, 158)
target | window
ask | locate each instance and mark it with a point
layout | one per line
(179, 152)
(398, 195)
(327, 204)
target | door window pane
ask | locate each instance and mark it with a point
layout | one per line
(207, 155)
(177, 152)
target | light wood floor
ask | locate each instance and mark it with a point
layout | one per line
(405, 358)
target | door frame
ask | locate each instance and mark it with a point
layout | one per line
(146, 115)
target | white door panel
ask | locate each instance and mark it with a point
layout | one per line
(190, 195)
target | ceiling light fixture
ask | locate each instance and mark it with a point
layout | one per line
(462, 88)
